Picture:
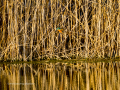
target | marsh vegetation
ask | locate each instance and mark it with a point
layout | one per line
(28, 29)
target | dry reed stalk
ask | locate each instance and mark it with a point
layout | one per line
(16, 30)
(98, 25)
(9, 25)
(42, 28)
(86, 29)
(118, 36)
(47, 23)
(80, 27)
(93, 28)
(4, 26)
(76, 30)
(108, 16)
(102, 31)
(70, 28)
(33, 33)
(52, 35)
(39, 28)
(25, 31)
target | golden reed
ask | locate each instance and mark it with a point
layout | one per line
(28, 29)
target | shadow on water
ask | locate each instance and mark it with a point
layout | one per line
(60, 76)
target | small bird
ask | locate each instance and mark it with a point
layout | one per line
(59, 29)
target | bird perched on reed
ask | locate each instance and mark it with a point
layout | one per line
(59, 29)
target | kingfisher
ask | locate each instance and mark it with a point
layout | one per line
(59, 29)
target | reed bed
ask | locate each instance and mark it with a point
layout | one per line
(28, 29)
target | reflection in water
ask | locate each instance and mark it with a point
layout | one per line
(60, 76)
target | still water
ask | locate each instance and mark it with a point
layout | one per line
(60, 76)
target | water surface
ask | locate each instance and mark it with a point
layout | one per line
(70, 75)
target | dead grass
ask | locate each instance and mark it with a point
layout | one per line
(28, 29)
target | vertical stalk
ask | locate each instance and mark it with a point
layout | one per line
(86, 29)
(118, 35)
(16, 29)
(38, 26)
(102, 30)
(112, 28)
(33, 32)
(52, 37)
(76, 31)
(21, 24)
(4, 26)
(98, 26)
(47, 18)
(108, 22)
(32, 35)
(70, 28)
(8, 27)
(79, 32)
(25, 31)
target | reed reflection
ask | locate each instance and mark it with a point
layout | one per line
(60, 76)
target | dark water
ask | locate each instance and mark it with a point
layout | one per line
(60, 76)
